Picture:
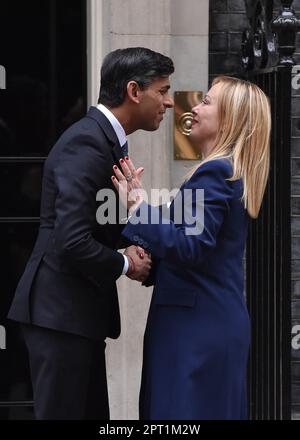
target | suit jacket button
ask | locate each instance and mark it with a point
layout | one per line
(141, 242)
(146, 245)
(135, 238)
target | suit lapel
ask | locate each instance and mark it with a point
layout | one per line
(117, 152)
(106, 126)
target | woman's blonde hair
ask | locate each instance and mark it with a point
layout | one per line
(244, 137)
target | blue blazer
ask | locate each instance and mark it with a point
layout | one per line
(197, 334)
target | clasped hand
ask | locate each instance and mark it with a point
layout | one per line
(130, 189)
(139, 263)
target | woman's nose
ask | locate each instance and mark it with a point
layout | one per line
(195, 110)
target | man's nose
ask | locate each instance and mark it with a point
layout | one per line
(169, 102)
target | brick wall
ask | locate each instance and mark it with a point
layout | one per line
(227, 20)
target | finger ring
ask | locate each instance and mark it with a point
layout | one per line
(129, 177)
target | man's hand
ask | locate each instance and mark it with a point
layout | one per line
(139, 263)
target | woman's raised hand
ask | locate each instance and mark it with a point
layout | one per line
(128, 184)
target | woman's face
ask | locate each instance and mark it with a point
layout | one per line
(205, 123)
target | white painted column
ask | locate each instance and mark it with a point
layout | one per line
(189, 51)
(94, 49)
(178, 29)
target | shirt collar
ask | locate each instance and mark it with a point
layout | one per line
(119, 130)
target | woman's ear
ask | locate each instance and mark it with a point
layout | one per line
(133, 91)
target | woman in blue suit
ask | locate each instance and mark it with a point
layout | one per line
(197, 336)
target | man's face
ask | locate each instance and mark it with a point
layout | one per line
(154, 101)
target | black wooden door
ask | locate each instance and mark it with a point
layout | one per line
(43, 53)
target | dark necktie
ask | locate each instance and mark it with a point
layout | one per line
(125, 149)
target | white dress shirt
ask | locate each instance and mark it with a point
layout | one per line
(119, 130)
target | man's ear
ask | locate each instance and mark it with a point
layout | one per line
(133, 91)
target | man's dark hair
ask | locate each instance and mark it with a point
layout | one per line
(132, 64)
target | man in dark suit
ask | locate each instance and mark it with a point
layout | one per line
(66, 299)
